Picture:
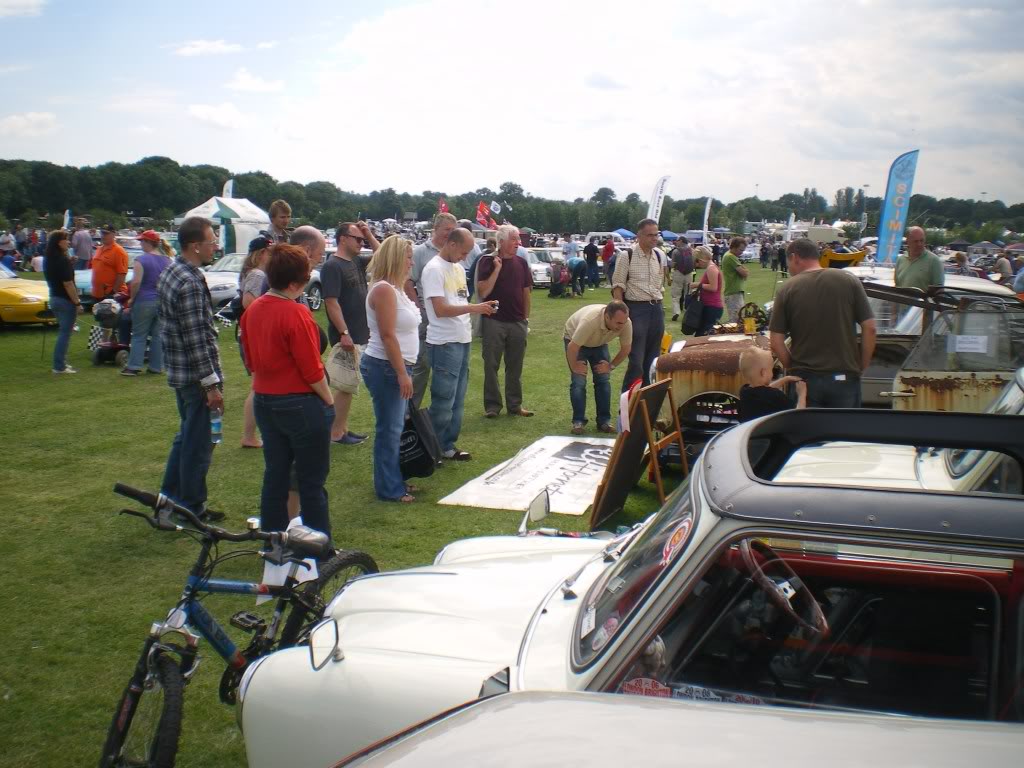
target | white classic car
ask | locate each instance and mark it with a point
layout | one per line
(222, 280)
(754, 584)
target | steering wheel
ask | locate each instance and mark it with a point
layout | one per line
(784, 592)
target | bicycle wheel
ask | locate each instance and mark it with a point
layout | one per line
(145, 731)
(335, 573)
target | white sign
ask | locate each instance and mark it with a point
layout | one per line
(569, 467)
(955, 343)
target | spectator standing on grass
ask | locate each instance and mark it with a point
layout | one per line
(7, 249)
(734, 279)
(280, 217)
(252, 283)
(638, 282)
(386, 366)
(145, 305)
(918, 267)
(710, 287)
(444, 223)
(586, 337)
(64, 300)
(343, 281)
(570, 248)
(81, 243)
(193, 365)
(590, 253)
(608, 258)
(681, 258)
(577, 274)
(293, 404)
(506, 278)
(109, 266)
(449, 334)
(819, 310)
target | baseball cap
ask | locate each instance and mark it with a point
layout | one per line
(108, 228)
(150, 235)
(259, 243)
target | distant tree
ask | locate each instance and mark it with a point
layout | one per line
(632, 198)
(603, 196)
(510, 192)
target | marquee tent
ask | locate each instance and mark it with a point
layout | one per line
(623, 232)
(667, 235)
(243, 219)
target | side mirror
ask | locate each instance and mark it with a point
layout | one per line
(323, 644)
(537, 511)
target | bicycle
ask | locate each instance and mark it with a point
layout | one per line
(146, 726)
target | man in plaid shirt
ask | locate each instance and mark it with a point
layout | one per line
(192, 359)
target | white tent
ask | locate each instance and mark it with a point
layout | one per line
(240, 220)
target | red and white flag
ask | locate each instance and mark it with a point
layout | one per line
(442, 206)
(483, 214)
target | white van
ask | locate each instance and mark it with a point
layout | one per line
(619, 241)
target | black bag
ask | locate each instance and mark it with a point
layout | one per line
(694, 310)
(418, 449)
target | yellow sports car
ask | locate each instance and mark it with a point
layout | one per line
(23, 301)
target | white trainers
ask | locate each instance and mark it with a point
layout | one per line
(67, 369)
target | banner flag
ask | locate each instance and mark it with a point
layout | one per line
(896, 206)
(495, 208)
(482, 214)
(789, 226)
(442, 206)
(657, 198)
(67, 220)
(507, 205)
(707, 217)
(229, 188)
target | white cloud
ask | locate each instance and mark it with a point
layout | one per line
(244, 80)
(11, 69)
(29, 125)
(225, 116)
(267, 45)
(206, 48)
(21, 7)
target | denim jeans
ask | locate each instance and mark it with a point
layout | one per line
(65, 313)
(146, 324)
(449, 377)
(602, 386)
(594, 275)
(296, 430)
(389, 410)
(648, 328)
(824, 390)
(191, 452)
(81, 264)
(578, 278)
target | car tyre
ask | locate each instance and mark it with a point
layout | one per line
(315, 297)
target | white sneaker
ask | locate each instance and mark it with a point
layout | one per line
(67, 369)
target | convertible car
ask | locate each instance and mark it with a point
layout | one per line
(777, 575)
(23, 301)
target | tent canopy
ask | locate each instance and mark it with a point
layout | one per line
(623, 232)
(667, 235)
(235, 209)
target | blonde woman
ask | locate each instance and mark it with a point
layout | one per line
(252, 283)
(386, 365)
(157, 255)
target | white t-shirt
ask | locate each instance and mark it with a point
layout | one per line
(442, 278)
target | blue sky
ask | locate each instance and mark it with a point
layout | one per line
(561, 97)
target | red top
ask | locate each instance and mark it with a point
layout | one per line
(282, 346)
(513, 280)
(711, 298)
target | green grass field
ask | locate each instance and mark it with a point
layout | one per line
(82, 584)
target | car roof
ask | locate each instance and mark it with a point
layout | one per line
(550, 728)
(738, 466)
(885, 276)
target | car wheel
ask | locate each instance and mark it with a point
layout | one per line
(121, 358)
(315, 297)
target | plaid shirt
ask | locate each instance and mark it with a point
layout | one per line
(641, 276)
(189, 336)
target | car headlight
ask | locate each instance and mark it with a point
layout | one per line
(31, 299)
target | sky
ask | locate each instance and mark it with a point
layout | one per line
(730, 99)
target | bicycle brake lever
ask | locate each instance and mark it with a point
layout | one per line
(135, 513)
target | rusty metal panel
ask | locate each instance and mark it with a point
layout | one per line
(707, 364)
(951, 391)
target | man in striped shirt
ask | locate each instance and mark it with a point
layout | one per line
(637, 281)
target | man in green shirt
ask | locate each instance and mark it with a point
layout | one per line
(918, 268)
(734, 278)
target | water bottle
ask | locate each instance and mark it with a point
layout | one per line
(216, 426)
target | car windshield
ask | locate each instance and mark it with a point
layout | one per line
(531, 258)
(623, 587)
(230, 263)
(129, 243)
(895, 319)
(5, 272)
(990, 339)
(961, 461)
(542, 256)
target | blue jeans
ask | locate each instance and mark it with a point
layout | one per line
(191, 452)
(449, 377)
(389, 410)
(602, 386)
(146, 324)
(648, 328)
(81, 264)
(296, 430)
(825, 391)
(66, 313)
(594, 275)
(578, 278)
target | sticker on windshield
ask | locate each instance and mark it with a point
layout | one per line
(965, 343)
(700, 693)
(589, 621)
(676, 540)
(645, 686)
(604, 634)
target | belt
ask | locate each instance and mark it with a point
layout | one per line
(644, 301)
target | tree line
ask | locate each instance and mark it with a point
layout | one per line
(158, 188)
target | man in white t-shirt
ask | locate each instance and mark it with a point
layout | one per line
(446, 299)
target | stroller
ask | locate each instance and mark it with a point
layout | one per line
(110, 338)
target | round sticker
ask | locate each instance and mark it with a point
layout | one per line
(676, 540)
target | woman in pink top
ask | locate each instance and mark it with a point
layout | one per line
(711, 288)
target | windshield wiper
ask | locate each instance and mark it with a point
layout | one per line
(609, 554)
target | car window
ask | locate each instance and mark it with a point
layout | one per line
(230, 263)
(974, 340)
(615, 596)
(5, 272)
(893, 318)
(1005, 476)
(904, 632)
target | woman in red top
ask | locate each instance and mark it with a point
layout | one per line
(294, 406)
(710, 288)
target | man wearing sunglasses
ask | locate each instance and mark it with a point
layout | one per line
(343, 282)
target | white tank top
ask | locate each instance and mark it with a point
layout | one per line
(407, 326)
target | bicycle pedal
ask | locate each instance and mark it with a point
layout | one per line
(246, 621)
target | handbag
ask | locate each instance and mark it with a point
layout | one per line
(694, 310)
(418, 449)
(342, 368)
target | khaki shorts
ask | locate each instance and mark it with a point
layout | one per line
(343, 368)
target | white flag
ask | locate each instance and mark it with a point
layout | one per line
(495, 208)
(707, 216)
(657, 198)
(229, 188)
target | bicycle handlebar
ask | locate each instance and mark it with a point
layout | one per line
(301, 539)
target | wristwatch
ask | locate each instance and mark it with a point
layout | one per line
(344, 333)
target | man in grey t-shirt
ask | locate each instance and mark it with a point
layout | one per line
(82, 244)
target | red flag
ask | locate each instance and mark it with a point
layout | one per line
(483, 215)
(442, 206)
